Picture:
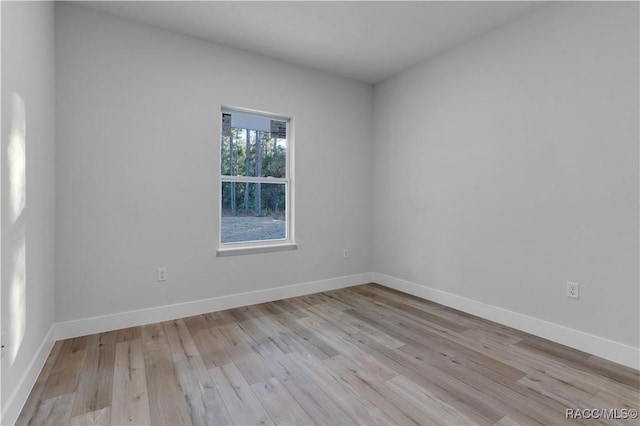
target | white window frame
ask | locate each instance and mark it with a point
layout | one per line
(260, 246)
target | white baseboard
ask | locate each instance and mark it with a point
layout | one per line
(17, 399)
(84, 326)
(595, 345)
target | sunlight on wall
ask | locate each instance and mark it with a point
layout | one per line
(18, 300)
(16, 155)
(17, 168)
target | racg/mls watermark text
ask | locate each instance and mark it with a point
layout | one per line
(601, 413)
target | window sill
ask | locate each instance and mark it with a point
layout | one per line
(237, 251)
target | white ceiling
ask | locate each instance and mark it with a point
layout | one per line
(366, 41)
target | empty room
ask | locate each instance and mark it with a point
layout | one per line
(324, 212)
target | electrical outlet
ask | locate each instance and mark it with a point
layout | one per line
(573, 290)
(345, 254)
(162, 274)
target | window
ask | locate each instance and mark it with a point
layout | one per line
(255, 182)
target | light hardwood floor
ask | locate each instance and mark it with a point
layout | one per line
(362, 355)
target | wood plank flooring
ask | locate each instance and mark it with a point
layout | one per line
(362, 355)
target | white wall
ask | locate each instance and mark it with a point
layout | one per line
(137, 187)
(509, 165)
(27, 173)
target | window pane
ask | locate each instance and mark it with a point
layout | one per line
(259, 148)
(273, 153)
(253, 211)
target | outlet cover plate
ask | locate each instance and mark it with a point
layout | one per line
(573, 290)
(162, 274)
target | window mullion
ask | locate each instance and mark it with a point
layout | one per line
(252, 179)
